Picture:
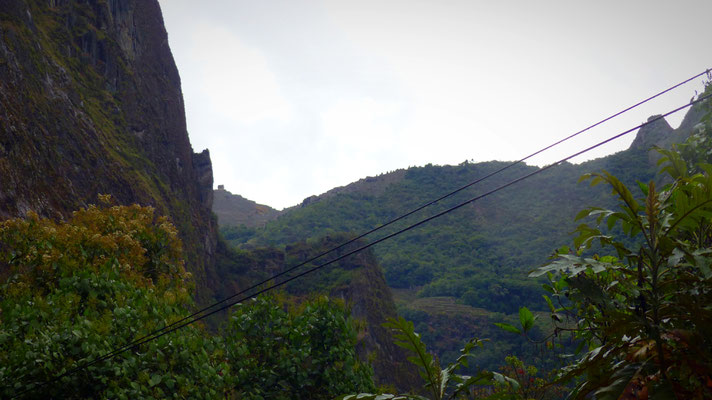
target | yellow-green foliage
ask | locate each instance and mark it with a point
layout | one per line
(76, 290)
(143, 247)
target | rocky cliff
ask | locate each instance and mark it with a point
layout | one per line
(661, 134)
(90, 103)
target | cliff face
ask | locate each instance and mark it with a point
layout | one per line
(661, 134)
(90, 103)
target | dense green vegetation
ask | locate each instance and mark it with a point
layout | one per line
(643, 314)
(74, 291)
(440, 383)
(357, 280)
(283, 354)
(638, 308)
(480, 254)
(515, 381)
(442, 323)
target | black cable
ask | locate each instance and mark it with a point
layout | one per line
(288, 270)
(510, 183)
(276, 285)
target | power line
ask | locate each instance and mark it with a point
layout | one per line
(421, 222)
(181, 321)
(320, 255)
(186, 322)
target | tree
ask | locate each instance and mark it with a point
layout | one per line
(641, 307)
(76, 290)
(303, 353)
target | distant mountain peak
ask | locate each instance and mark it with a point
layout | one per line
(661, 134)
(235, 210)
(657, 133)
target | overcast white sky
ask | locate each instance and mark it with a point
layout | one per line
(295, 97)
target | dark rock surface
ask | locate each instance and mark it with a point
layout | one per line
(90, 103)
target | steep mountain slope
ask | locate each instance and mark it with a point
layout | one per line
(91, 103)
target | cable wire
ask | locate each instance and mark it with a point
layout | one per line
(185, 322)
(415, 210)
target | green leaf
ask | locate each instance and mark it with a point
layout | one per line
(508, 328)
(526, 318)
(505, 379)
(620, 380)
(407, 338)
(643, 188)
(549, 303)
(155, 380)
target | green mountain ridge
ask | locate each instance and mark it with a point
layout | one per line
(478, 256)
(91, 104)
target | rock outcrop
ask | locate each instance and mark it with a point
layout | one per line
(654, 134)
(90, 103)
(661, 134)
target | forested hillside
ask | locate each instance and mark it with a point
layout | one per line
(481, 253)
(477, 256)
(91, 110)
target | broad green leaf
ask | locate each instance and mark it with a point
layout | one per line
(620, 379)
(508, 327)
(643, 188)
(526, 318)
(155, 380)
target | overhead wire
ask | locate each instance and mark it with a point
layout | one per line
(417, 209)
(180, 321)
(186, 322)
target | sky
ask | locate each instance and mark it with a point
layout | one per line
(296, 97)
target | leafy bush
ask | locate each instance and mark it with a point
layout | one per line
(642, 313)
(76, 290)
(299, 354)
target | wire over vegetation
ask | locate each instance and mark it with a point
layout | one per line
(154, 273)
